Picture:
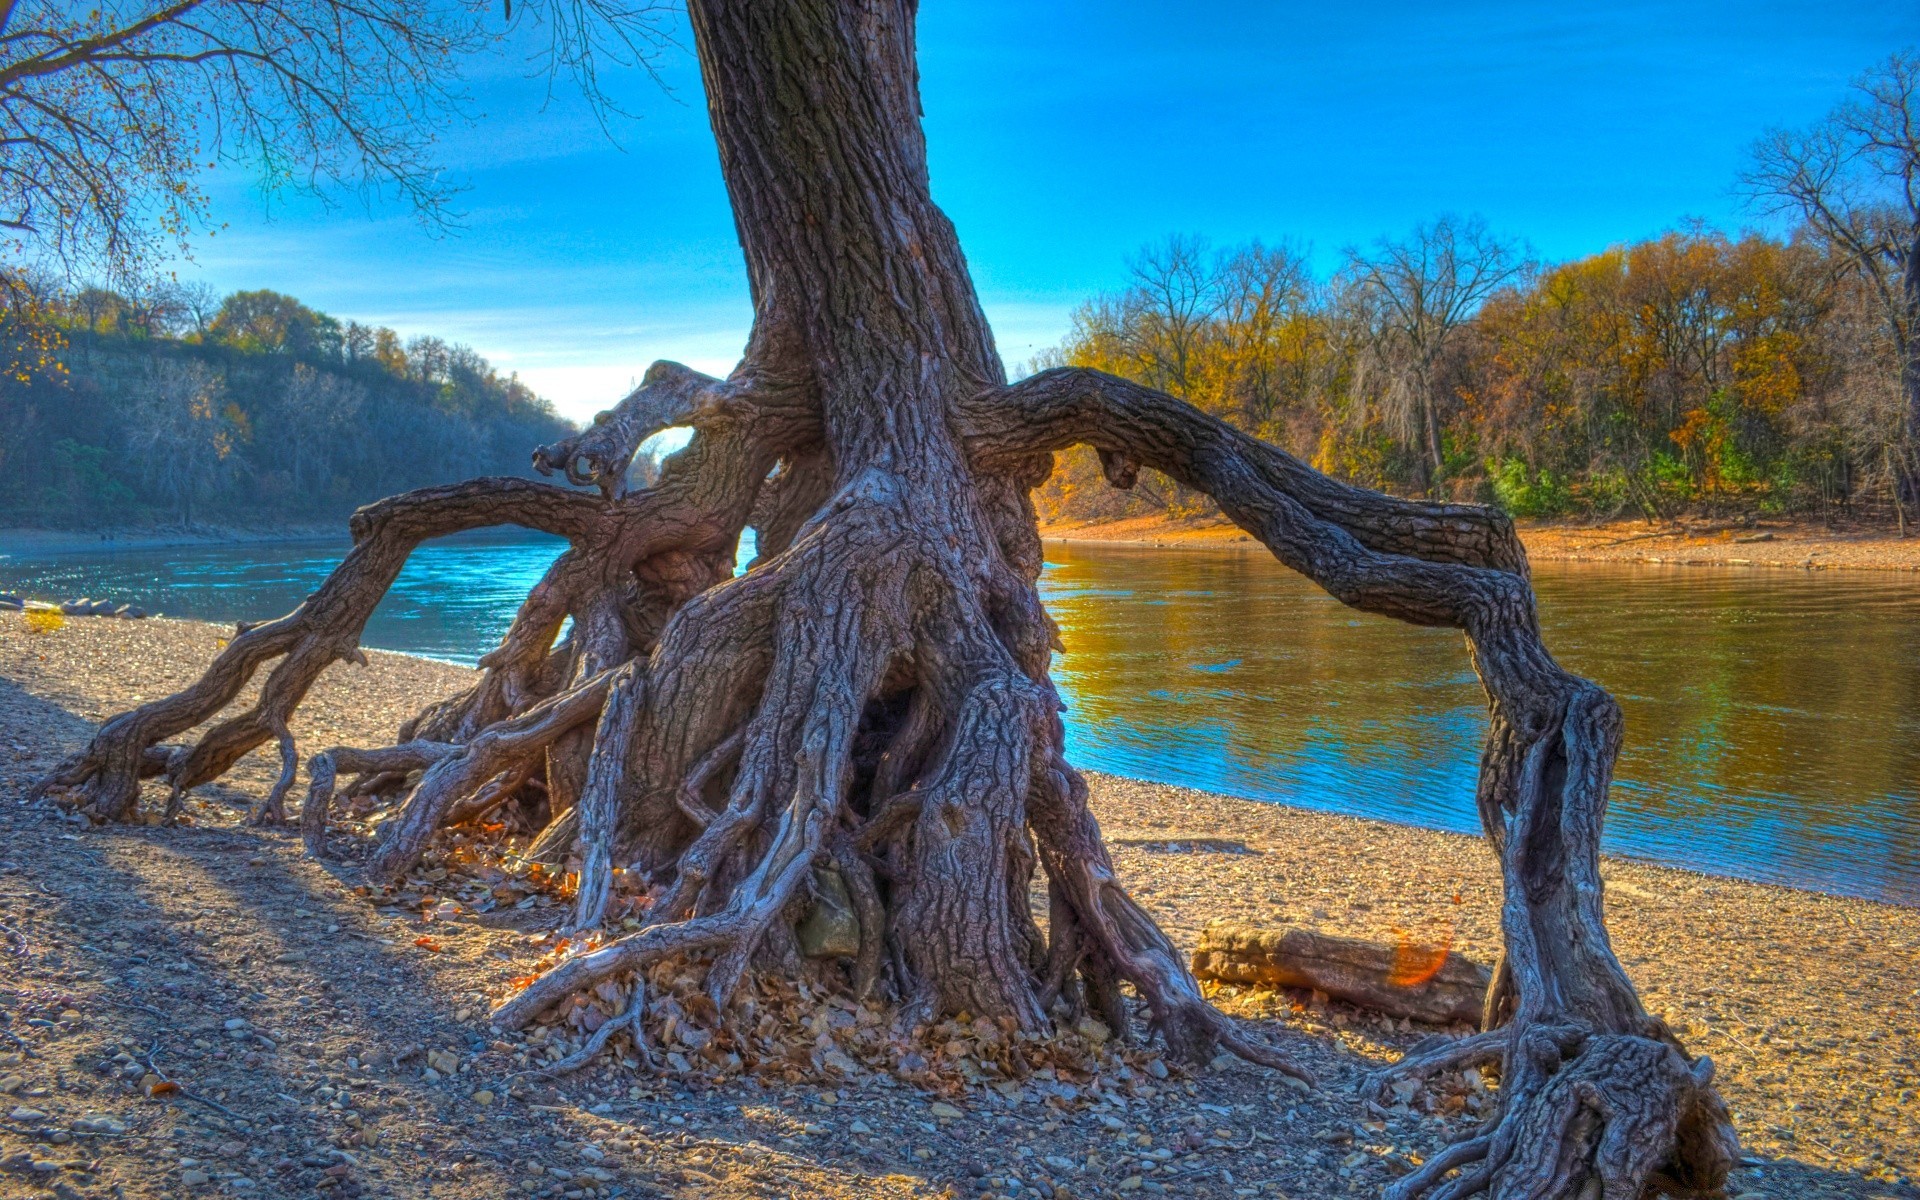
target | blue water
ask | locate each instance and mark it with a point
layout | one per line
(1773, 717)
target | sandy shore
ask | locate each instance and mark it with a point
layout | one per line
(143, 947)
(1803, 546)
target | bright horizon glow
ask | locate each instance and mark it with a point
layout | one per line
(1062, 139)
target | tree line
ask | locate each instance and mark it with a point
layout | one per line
(1739, 373)
(172, 404)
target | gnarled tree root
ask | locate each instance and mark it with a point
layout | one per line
(872, 700)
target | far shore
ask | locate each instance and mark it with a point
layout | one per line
(1803, 545)
(40, 543)
(1798, 544)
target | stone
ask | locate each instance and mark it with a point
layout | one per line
(23, 1113)
(12, 1084)
(944, 1111)
(1093, 1030)
(195, 1177)
(1131, 1183)
(830, 929)
(483, 1097)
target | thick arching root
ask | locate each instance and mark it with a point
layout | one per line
(1598, 1099)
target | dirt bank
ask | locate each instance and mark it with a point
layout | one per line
(1800, 545)
(297, 1014)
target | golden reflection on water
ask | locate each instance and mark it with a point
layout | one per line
(1773, 717)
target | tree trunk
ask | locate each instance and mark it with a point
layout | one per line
(874, 695)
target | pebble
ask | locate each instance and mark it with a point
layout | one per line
(195, 1177)
(23, 1113)
(945, 1111)
(483, 1097)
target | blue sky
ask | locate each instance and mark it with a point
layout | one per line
(1063, 136)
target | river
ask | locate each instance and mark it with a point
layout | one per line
(1773, 717)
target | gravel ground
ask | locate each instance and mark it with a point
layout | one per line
(320, 1050)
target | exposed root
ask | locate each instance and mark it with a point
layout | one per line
(1438, 1055)
(324, 767)
(1605, 1116)
(628, 1020)
(273, 809)
(459, 774)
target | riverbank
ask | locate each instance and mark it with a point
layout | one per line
(1800, 545)
(155, 941)
(43, 543)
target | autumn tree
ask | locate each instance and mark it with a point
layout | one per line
(871, 704)
(1420, 292)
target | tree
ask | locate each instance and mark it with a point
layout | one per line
(274, 323)
(1853, 178)
(182, 432)
(869, 709)
(1421, 292)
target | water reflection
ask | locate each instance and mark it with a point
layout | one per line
(1773, 717)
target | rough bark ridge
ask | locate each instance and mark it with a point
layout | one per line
(872, 697)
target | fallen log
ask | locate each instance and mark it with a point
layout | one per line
(1421, 983)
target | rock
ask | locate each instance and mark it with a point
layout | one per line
(444, 1061)
(133, 613)
(23, 1113)
(830, 929)
(1130, 1184)
(12, 1084)
(860, 1128)
(1419, 982)
(235, 1023)
(195, 1177)
(1093, 1030)
(483, 1097)
(1156, 1068)
(944, 1111)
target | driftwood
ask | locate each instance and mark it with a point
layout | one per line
(1420, 983)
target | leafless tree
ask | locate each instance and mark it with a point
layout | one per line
(178, 436)
(1420, 292)
(1853, 178)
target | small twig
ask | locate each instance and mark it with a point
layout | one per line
(14, 935)
(180, 1090)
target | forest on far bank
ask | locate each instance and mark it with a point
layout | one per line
(1694, 372)
(171, 405)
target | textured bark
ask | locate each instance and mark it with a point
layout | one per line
(873, 696)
